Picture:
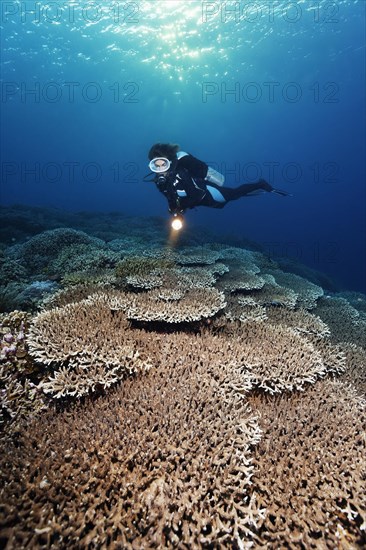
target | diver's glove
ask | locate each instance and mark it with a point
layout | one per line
(175, 206)
(176, 211)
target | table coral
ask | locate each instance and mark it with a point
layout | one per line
(310, 468)
(164, 460)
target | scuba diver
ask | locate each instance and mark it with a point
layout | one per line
(187, 182)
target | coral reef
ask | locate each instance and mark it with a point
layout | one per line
(196, 304)
(142, 265)
(37, 253)
(273, 294)
(10, 270)
(197, 255)
(163, 461)
(20, 399)
(241, 279)
(12, 334)
(355, 371)
(307, 293)
(300, 320)
(280, 359)
(345, 322)
(82, 257)
(244, 309)
(310, 468)
(94, 346)
(134, 392)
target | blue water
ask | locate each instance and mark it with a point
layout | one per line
(257, 89)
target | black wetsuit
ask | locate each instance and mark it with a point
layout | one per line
(186, 186)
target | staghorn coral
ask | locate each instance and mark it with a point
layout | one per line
(310, 468)
(19, 396)
(101, 277)
(240, 279)
(170, 294)
(280, 359)
(345, 322)
(86, 258)
(37, 253)
(355, 371)
(333, 356)
(20, 400)
(195, 305)
(355, 299)
(301, 320)
(164, 461)
(196, 277)
(77, 381)
(147, 282)
(272, 294)
(142, 267)
(196, 255)
(84, 335)
(307, 293)
(244, 309)
(73, 293)
(217, 269)
(316, 331)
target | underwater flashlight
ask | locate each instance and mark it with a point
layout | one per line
(177, 222)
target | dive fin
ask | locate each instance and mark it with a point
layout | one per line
(282, 193)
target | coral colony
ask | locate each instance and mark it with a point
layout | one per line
(191, 397)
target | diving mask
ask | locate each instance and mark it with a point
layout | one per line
(159, 165)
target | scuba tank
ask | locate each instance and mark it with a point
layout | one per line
(213, 176)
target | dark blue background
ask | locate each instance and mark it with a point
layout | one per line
(318, 46)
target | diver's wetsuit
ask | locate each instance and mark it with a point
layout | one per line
(187, 186)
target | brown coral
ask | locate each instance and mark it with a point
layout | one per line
(307, 293)
(194, 305)
(85, 335)
(241, 279)
(310, 468)
(355, 371)
(199, 255)
(244, 309)
(246, 258)
(345, 322)
(301, 320)
(280, 359)
(163, 461)
(273, 294)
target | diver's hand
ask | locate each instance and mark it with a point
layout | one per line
(176, 211)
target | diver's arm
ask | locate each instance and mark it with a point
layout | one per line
(171, 196)
(175, 207)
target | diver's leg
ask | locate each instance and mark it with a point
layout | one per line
(217, 197)
(245, 189)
